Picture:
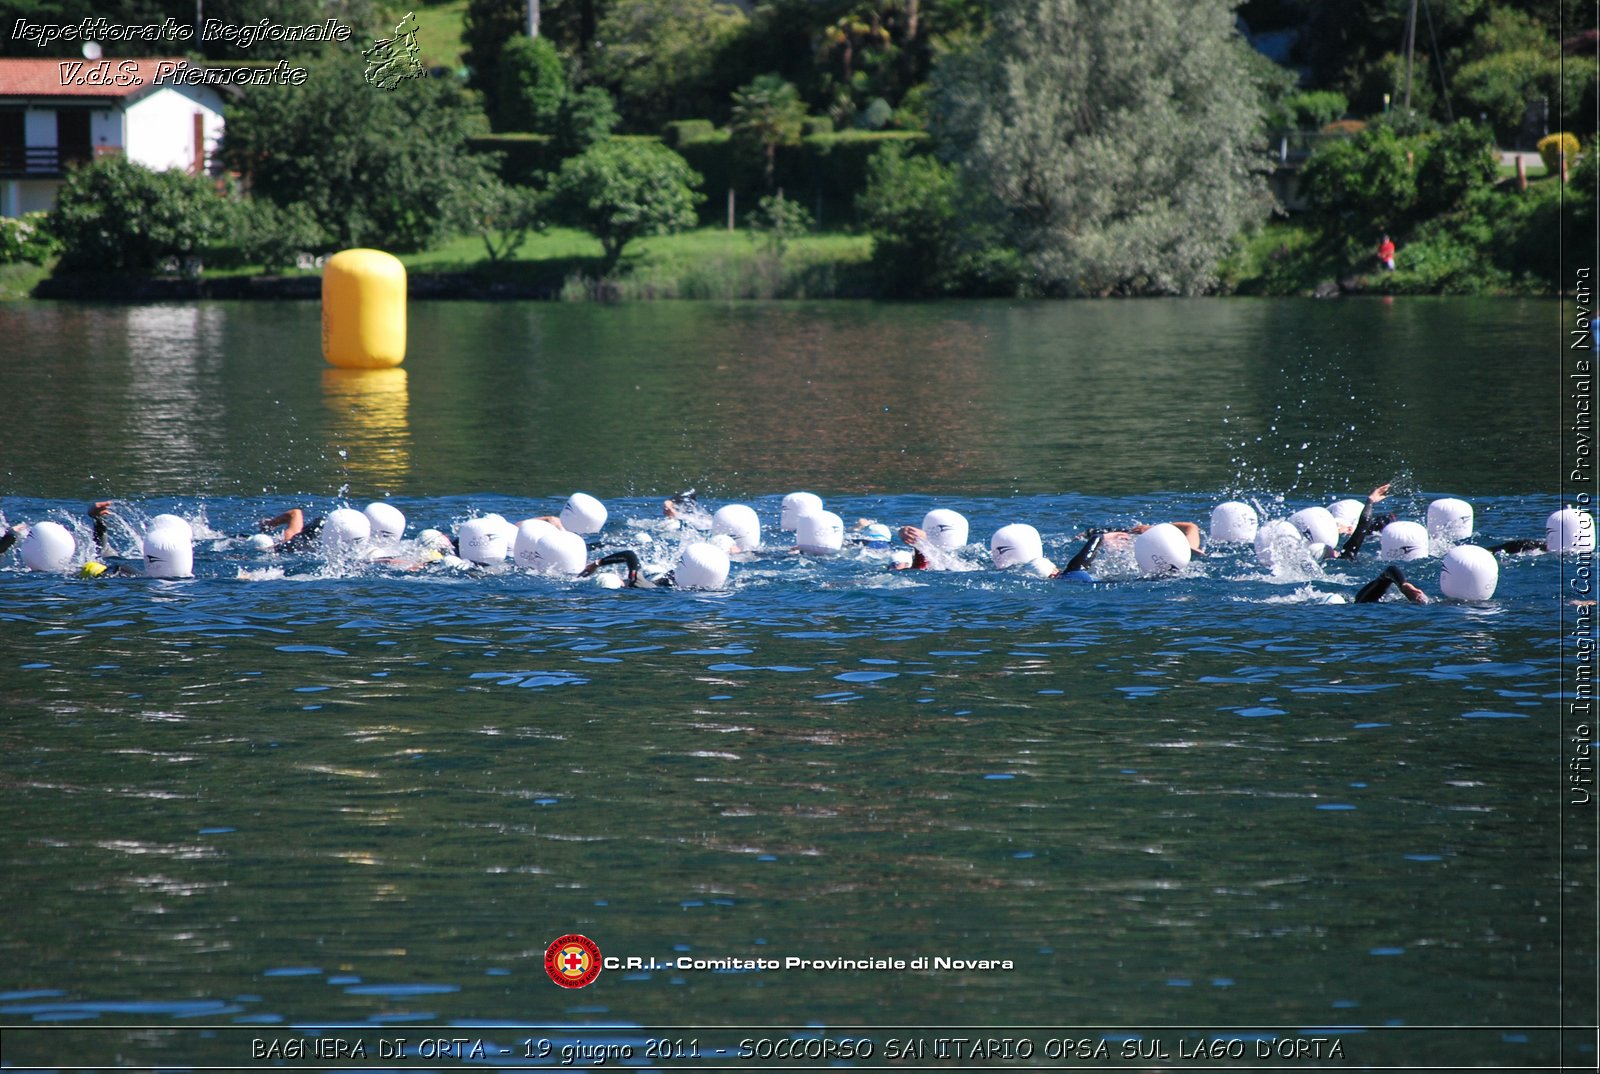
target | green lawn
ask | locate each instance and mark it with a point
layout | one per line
(439, 32)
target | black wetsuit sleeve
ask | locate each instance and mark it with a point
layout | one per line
(99, 534)
(627, 556)
(1519, 546)
(7, 539)
(1085, 555)
(1358, 536)
(1375, 589)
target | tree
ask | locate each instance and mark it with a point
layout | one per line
(1117, 135)
(373, 167)
(1370, 179)
(622, 189)
(661, 56)
(118, 216)
(532, 83)
(931, 234)
(768, 113)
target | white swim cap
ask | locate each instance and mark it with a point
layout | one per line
(437, 541)
(526, 545)
(1316, 525)
(343, 527)
(1162, 549)
(560, 552)
(1347, 512)
(1014, 544)
(1279, 543)
(725, 542)
(177, 522)
(947, 529)
(261, 542)
(1233, 523)
(876, 534)
(608, 580)
(704, 566)
(1468, 573)
(583, 514)
(168, 553)
(387, 521)
(1569, 530)
(1450, 519)
(740, 523)
(822, 531)
(797, 504)
(1403, 541)
(49, 546)
(482, 540)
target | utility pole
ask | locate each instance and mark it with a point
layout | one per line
(1411, 51)
(533, 18)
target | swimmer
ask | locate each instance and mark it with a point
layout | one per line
(1363, 527)
(1190, 531)
(1467, 573)
(686, 510)
(298, 535)
(703, 566)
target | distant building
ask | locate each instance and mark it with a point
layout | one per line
(55, 114)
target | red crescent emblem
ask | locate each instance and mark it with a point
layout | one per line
(572, 961)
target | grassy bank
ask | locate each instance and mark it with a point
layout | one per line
(708, 263)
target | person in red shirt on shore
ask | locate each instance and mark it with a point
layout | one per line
(1386, 253)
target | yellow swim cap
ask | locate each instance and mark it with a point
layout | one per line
(92, 569)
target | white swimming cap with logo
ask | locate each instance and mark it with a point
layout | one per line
(583, 514)
(1449, 519)
(177, 522)
(525, 546)
(739, 522)
(1162, 549)
(1347, 512)
(1569, 530)
(1403, 541)
(821, 531)
(797, 504)
(947, 529)
(1316, 525)
(1280, 544)
(1469, 573)
(482, 541)
(168, 553)
(432, 538)
(1015, 544)
(704, 566)
(560, 552)
(1233, 523)
(388, 523)
(344, 527)
(49, 546)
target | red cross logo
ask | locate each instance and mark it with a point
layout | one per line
(572, 961)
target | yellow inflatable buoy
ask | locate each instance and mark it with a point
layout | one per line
(364, 310)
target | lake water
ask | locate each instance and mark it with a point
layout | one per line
(297, 799)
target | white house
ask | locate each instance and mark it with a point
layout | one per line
(55, 114)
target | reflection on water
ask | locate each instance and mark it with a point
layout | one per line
(369, 427)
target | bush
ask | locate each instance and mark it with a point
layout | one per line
(1459, 160)
(118, 216)
(25, 239)
(621, 189)
(532, 85)
(681, 132)
(274, 237)
(1553, 148)
(1370, 178)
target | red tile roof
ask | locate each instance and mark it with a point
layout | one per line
(44, 78)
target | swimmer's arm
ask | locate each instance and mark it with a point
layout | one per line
(627, 556)
(293, 520)
(554, 520)
(11, 536)
(914, 536)
(98, 511)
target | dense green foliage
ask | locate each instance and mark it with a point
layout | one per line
(119, 217)
(767, 115)
(623, 189)
(374, 168)
(1122, 170)
(26, 239)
